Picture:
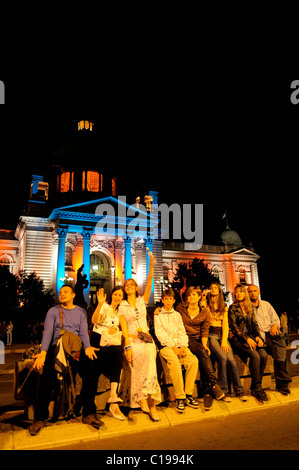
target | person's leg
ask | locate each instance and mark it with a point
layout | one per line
(47, 383)
(190, 363)
(234, 373)
(222, 362)
(48, 380)
(175, 369)
(204, 360)
(112, 364)
(277, 347)
(90, 378)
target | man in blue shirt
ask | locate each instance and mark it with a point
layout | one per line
(269, 324)
(74, 321)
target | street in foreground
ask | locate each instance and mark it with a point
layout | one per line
(274, 428)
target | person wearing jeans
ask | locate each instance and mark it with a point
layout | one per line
(247, 341)
(219, 344)
(196, 320)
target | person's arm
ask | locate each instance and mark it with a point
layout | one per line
(275, 322)
(204, 341)
(46, 340)
(204, 332)
(150, 277)
(161, 332)
(90, 351)
(124, 329)
(182, 335)
(101, 299)
(236, 331)
(224, 343)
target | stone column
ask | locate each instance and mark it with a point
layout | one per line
(128, 259)
(86, 261)
(118, 262)
(62, 233)
(149, 245)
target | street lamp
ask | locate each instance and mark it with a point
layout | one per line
(162, 282)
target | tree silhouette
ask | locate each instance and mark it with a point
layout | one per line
(196, 273)
(35, 300)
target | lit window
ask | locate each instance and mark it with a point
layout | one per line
(65, 182)
(216, 272)
(43, 190)
(242, 275)
(68, 256)
(85, 125)
(93, 181)
(114, 187)
(148, 202)
(5, 261)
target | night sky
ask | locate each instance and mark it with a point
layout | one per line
(230, 144)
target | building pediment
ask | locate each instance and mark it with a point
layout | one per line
(90, 207)
(109, 210)
(244, 252)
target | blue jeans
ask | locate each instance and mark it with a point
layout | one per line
(225, 360)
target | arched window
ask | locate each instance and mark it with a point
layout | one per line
(216, 271)
(68, 256)
(242, 275)
(5, 261)
(97, 266)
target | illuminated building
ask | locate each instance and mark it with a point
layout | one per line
(58, 232)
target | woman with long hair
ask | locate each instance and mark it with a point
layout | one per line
(247, 340)
(107, 337)
(143, 389)
(219, 344)
(196, 320)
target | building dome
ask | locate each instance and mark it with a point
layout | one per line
(230, 237)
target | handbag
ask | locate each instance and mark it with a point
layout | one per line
(141, 335)
(145, 337)
(111, 339)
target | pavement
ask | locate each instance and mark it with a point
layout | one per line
(13, 423)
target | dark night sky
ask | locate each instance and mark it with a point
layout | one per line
(229, 144)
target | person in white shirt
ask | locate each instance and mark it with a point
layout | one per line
(140, 386)
(274, 339)
(171, 333)
(9, 333)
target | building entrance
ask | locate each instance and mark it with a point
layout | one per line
(100, 276)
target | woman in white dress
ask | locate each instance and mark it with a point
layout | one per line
(145, 390)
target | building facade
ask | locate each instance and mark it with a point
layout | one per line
(75, 217)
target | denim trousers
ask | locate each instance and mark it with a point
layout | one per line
(257, 362)
(226, 361)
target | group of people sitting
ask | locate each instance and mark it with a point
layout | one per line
(188, 335)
